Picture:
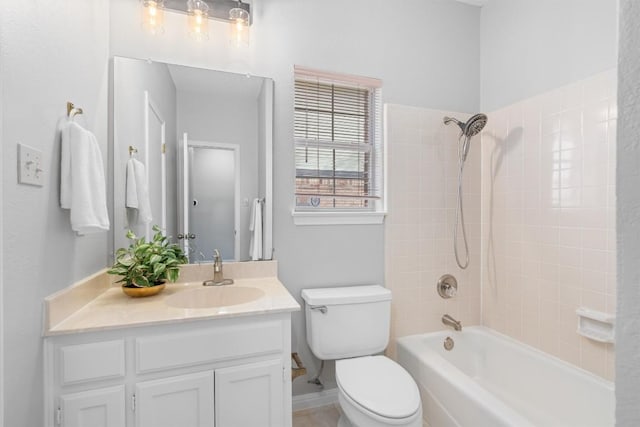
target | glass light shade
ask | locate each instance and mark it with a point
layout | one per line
(153, 16)
(198, 19)
(239, 27)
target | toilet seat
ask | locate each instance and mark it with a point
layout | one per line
(379, 385)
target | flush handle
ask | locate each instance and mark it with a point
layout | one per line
(321, 308)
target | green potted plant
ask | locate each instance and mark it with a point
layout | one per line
(146, 266)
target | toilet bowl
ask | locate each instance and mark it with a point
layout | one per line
(374, 391)
(349, 325)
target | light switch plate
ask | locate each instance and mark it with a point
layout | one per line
(30, 169)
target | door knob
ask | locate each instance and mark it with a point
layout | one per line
(188, 236)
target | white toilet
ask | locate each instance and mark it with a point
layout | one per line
(349, 325)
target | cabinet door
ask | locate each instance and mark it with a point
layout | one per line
(250, 395)
(103, 407)
(185, 400)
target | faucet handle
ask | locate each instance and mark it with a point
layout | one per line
(447, 286)
(216, 255)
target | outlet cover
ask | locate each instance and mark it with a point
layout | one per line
(30, 170)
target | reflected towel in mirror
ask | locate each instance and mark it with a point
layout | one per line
(137, 194)
(255, 228)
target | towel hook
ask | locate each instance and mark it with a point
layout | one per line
(72, 110)
(132, 150)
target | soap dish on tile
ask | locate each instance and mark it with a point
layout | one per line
(596, 325)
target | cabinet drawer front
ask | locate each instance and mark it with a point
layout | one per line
(216, 344)
(89, 362)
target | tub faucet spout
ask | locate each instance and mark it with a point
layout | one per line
(450, 321)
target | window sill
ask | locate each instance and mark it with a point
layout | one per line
(337, 218)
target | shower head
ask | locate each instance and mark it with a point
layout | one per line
(472, 127)
(475, 124)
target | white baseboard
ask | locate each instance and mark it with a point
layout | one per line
(315, 400)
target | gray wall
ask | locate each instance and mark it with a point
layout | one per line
(430, 58)
(407, 52)
(224, 119)
(51, 53)
(529, 47)
(628, 221)
(131, 79)
(2, 150)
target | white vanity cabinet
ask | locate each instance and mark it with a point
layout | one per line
(184, 400)
(96, 408)
(255, 386)
(232, 372)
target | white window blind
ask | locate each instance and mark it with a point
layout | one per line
(338, 142)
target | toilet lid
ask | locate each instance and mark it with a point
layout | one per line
(380, 385)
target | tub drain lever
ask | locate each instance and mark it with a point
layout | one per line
(448, 343)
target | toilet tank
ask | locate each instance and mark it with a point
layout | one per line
(348, 321)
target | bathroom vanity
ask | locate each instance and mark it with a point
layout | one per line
(183, 358)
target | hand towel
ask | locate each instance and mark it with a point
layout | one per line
(255, 227)
(82, 181)
(65, 167)
(137, 192)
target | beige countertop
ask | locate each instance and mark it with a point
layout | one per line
(112, 309)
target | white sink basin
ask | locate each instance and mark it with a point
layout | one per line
(211, 297)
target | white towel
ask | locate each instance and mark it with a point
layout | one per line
(255, 227)
(82, 181)
(65, 167)
(137, 196)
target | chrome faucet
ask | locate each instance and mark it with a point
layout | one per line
(450, 321)
(217, 266)
(218, 277)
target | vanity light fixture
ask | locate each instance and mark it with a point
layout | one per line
(239, 26)
(236, 12)
(198, 20)
(153, 16)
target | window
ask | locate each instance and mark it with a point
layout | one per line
(338, 143)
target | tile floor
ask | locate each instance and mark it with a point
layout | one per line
(323, 416)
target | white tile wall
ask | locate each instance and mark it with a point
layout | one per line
(422, 181)
(548, 218)
(539, 195)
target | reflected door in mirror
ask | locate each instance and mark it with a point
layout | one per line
(211, 211)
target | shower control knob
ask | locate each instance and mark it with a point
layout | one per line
(450, 291)
(447, 286)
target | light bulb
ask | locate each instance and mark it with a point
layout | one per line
(198, 19)
(239, 27)
(153, 16)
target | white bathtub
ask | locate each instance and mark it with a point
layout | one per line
(491, 380)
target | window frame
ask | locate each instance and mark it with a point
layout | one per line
(376, 211)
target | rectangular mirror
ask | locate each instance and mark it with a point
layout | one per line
(192, 154)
